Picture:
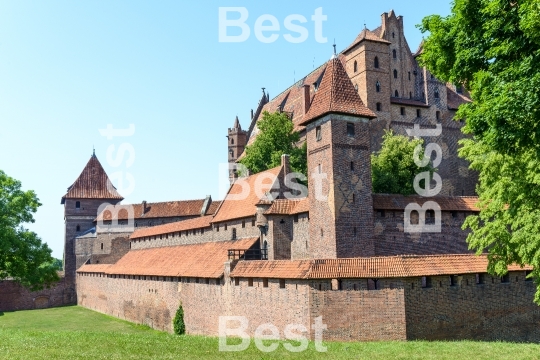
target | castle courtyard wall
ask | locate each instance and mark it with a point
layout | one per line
(15, 297)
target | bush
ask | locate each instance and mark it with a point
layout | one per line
(178, 322)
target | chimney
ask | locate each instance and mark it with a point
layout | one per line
(285, 164)
(143, 207)
(307, 98)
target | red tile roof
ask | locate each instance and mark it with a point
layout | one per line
(199, 260)
(163, 210)
(195, 223)
(374, 267)
(94, 268)
(92, 183)
(336, 94)
(288, 207)
(238, 205)
(447, 203)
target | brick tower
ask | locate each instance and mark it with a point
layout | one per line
(339, 168)
(237, 140)
(81, 202)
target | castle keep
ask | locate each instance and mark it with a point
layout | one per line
(341, 252)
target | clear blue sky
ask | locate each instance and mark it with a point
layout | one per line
(69, 68)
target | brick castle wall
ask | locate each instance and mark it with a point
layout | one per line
(14, 297)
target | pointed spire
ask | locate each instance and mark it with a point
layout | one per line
(93, 151)
(237, 124)
(336, 94)
(92, 183)
(335, 52)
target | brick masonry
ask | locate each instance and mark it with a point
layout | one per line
(14, 297)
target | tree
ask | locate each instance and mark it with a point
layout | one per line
(178, 323)
(393, 168)
(276, 137)
(23, 257)
(493, 48)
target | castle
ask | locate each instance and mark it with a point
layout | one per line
(341, 252)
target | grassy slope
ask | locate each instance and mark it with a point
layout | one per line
(78, 333)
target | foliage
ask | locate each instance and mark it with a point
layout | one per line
(392, 168)
(23, 257)
(493, 47)
(178, 322)
(74, 332)
(276, 137)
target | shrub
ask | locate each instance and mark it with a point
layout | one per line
(178, 322)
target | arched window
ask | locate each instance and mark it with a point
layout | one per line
(77, 205)
(394, 54)
(436, 93)
(378, 86)
(376, 62)
(355, 66)
(395, 74)
(396, 94)
(78, 228)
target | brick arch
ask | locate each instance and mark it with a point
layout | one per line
(41, 302)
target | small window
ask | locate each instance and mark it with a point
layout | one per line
(395, 74)
(218, 281)
(402, 111)
(480, 279)
(101, 246)
(265, 282)
(438, 115)
(353, 198)
(318, 133)
(295, 218)
(410, 95)
(436, 93)
(354, 231)
(396, 93)
(243, 224)
(250, 282)
(379, 107)
(252, 222)
(505, 278)
(217, 229)
(432, 76)
(453, 280)
(378, 86)
(381, 213)
(78, 228)
(352, 165)
(77, 205)
(426, 282)
(207, 281)
(409, 76)
(459, 89)
(418, 113)
(225, 226)
(282, 283)
(340, 284)
(234, 233)
(322, 232)
(376, 62)
(393, 35)
(373, 284)
(236, 281)
(350, 129)
(355, 66)
(454, 214)
(232, 141)
(394, 54)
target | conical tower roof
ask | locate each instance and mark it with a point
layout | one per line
(237, 124)
(336, 94)
(93, 183)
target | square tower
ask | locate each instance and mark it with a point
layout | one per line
(339, 169)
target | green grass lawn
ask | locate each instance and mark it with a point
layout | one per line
(77, 333)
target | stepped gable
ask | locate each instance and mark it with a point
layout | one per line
(190, 224)
(198, 260)
(336, 94)
(369, 36)
(447, 203)
(369, 267)
(92, 183)
(162, 210)
(237, 204)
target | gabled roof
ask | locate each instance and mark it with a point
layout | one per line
(196, 223)
(368, 268)
(93, 183)
(162, 210)
(288, 207)
(239, 204)
(336, 94)
(454, 99)
(204, 260)
(369, 36)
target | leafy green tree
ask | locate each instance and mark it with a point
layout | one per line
(493, 47)
(276, 137)
(392, 168)
(23, 257)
